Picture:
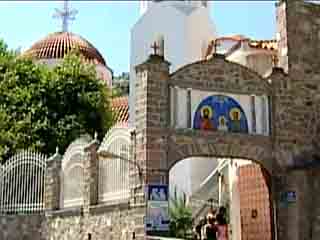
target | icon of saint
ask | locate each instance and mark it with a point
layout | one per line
(206, 118)
(222, 124)
(235, 116)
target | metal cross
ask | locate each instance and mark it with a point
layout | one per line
(216, 44)
(155, 48)
(66, 15)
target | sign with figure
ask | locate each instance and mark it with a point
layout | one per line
(222, 113)
(157, 193)
(157, 208)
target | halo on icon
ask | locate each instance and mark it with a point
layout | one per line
(209, 109)
(235, 110)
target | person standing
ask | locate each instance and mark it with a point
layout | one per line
(222, 227)
(210, 230)
(198, 228)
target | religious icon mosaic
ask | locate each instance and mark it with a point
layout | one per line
(220, 113)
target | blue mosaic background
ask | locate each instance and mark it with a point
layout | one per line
(221, 106)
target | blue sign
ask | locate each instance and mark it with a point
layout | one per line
(291, 196)
(157, 218)
(288, 197)
(220, 113)
(157, 193)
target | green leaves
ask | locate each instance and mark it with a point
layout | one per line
(180, 216)
(42, 108)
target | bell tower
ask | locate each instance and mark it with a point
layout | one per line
(146, 4)
(174, 25)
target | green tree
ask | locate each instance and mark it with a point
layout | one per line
(43, 108)
(180, 216)
(117, 92)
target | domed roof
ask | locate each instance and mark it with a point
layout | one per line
(58, 44)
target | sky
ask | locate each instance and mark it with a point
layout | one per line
(107, 24)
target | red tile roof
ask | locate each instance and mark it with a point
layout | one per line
(58, 44)
(264, 44)
(120, 108)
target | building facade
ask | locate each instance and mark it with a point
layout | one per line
(218, 124)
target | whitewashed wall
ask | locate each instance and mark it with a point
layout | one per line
(178, 23)
(179, 113)
(189, 174)
(259, 60)
(180, 178)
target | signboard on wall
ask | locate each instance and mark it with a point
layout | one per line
(157, 218)
(288, 197)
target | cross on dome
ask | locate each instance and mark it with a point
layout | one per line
(66, 15)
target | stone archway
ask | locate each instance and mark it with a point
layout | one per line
(256, 148)
(219, 144)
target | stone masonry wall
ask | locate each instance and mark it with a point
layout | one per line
(104, 222)
(218, 74)
(21, 227)
(298, 93)
(152, 117)
(296, 120)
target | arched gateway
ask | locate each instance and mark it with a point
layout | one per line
(212, 108)
(216, 108)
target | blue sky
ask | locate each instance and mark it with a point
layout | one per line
(107, 24)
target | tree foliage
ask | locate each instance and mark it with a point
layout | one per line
(43, 108)
(180, 216)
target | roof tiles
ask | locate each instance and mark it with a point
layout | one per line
(120, 108)
(57, 45)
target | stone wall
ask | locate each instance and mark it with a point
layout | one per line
(218, 74)
(298, 218)
(186, 143)
(115, 222)
(26, 227)
(152, 117)
(112, 222)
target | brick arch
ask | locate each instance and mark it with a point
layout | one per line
(219, 74)
(256, 148)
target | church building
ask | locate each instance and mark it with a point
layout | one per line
(179, 39)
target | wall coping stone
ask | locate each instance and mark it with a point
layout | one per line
(109, 206)
(67, 212)
(22, 215)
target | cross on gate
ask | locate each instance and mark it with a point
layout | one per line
(155, 48)
(216, 44)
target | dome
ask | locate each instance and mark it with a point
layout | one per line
(57, 45)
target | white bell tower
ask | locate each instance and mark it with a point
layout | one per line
(182, 30)
(145, 4)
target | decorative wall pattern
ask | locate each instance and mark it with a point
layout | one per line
(219, 112)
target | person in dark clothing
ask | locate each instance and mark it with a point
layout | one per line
(199, 227)
(210, 229)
